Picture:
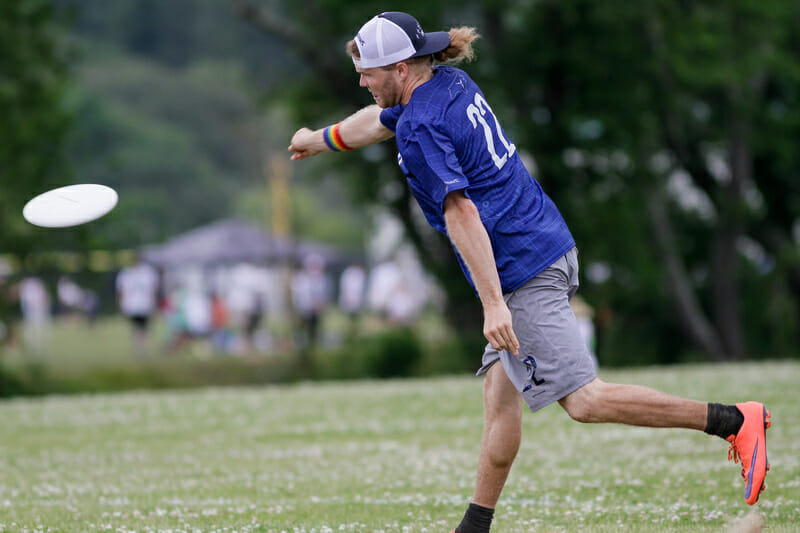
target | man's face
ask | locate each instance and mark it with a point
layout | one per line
(383, 83)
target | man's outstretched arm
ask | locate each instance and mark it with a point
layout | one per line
(359, 129)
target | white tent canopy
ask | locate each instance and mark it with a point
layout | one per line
(233, 241)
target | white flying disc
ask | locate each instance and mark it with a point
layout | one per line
(70, 205)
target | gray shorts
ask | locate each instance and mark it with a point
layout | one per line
(553, 358)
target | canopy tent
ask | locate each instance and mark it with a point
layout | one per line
(233, 241)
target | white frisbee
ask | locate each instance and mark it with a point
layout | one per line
(70, 205)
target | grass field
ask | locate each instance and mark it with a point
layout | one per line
(379, 456)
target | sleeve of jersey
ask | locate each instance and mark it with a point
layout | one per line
(390, 116)
(431, 157)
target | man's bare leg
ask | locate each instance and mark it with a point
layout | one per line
(502, 431)
(634, 405)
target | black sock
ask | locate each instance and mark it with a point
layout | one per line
(723, 420)
(477, 519)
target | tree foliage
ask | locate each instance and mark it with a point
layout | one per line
(680, 88)
(35, 113)
(165, 100)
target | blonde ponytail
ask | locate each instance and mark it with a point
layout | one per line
(460, 48)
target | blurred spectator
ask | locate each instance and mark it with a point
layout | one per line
(74, 300)
(35, 305)
(221, 335)
(90, 305)
(352, 289)
(383, 281)
(175, 319)
(399, 289)
(585, 315)
(352, 293)
(197, 311)
(403, 307)
(311, 297)
(70, 296)
(137, 294)
(188, 310)
(244, 302)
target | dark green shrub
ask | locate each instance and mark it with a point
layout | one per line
(392, 354)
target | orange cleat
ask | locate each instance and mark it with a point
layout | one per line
(749, 446)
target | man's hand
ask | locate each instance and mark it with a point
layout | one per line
(497, 328)
(306, 143)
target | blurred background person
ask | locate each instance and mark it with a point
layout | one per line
(584, 313)
(245, 284)
(404, 305)
(221, 335)
(175, 319)
(75, 301)
(383, 282)
(35, 303)
(70, 297)
(352, 293)
(90, 305)
(311, 297)
(197, 311)
(137, 296)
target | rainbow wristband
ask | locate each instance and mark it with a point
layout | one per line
(334, 139)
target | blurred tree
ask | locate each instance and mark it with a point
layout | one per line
(35, 115)
(166, 113)
(35, 120)
(677, 93)
(664, 130)
(183, 147)
(178, 145)
(177, 33)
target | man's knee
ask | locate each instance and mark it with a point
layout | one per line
(581, 405)
(502, 457)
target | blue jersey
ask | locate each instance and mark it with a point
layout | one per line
(449, 139)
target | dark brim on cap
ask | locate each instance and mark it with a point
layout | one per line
(435, 41)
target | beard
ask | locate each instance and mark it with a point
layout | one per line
(387, 96)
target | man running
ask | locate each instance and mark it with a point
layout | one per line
(514, 248)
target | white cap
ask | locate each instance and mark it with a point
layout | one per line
(394, 36)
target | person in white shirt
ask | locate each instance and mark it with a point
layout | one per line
(137, 295)
(34, 303)
(70, 296)
(310, 296)
(244, 299)
(352, 294)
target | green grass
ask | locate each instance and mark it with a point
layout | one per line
(387, 456)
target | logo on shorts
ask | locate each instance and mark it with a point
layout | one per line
(530, 363)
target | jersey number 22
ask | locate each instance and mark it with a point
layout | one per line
(478, 112)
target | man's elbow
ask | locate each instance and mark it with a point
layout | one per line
(459, 208)
(457, 201)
